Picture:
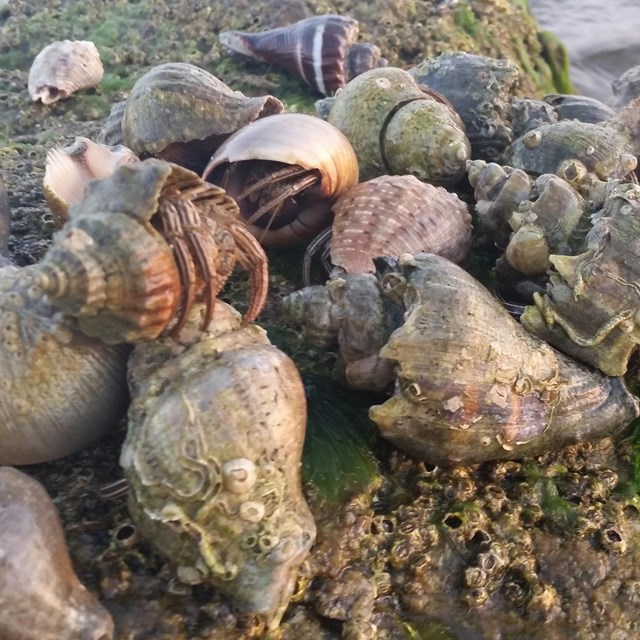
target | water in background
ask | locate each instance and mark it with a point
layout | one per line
(602, 37)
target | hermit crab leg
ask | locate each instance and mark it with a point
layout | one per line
(172, 227)
(320, 242)
(306, 178)
(252, 257)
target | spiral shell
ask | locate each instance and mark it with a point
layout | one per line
(480, 89)
(474, 386)
(59, 391)
(583, 108)
(212, 458)
(181, 113)
(314, 49)
(392, 215)
(69, 170)
(350, 312)
(627, 87)
(591, 310)
(42, 598)
(572, 149)
(124, 280)
(62, 68)
(396, 128)
(111, 131)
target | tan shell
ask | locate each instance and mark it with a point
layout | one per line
(392, 215)
(473, 385)
(59, 390)
(126, 281)
(68, 170)
(42, 598)
(62, 68)
(178, 103)
(212, 458)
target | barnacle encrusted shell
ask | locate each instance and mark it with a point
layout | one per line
(571, 149)
(530, 113)
(62, 68)
(212, 458)
(583, 108)
(592, 307)
(59, 390)
(480, 89)
(397, 128)
(627, 87)
(68, 170)
(314, 49)
(351, 312)
(42, 598)
(474, 386)
(392, 215)
(177, 103)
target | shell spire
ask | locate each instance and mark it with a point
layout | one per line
(314, 49)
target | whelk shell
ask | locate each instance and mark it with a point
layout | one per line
(127, 281)
(42, 598)
(317, 49)
(59, 390)
(212, 458)
(181, 113)
(62, 68)
(473, 385)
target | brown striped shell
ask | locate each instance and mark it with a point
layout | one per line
(181, 113)
(68, 170)
(314, 49)
(142, 246)
(42, 598)
(62, 68)
(473, 385)
(392, 215)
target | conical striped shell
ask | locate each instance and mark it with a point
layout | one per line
(69, 170)
(177, 103)
(392, 215)
(63, 68)
(475, 386)
(314, 49)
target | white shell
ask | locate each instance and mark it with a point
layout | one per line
(62, 68)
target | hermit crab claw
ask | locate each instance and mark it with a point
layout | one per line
(285, 171)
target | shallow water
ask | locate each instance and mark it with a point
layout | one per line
(602, 37)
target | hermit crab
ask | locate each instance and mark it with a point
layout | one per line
(142, 246)
(285, 171)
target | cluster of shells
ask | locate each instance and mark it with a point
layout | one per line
(191, 178)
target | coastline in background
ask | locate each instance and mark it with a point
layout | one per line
(601, 38)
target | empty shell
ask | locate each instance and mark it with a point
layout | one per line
(63, 68)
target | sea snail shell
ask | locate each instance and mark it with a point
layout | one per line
(42, 598)
(321, 50)
(212, 458)
(397, 128)
(59, 390)
(473, 385)
(62, 68)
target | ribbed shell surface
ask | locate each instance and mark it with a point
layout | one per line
(392, 215)
(62, 68)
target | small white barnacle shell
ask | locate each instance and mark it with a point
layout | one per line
(239, 475)
(252, 511)
(62, 68)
